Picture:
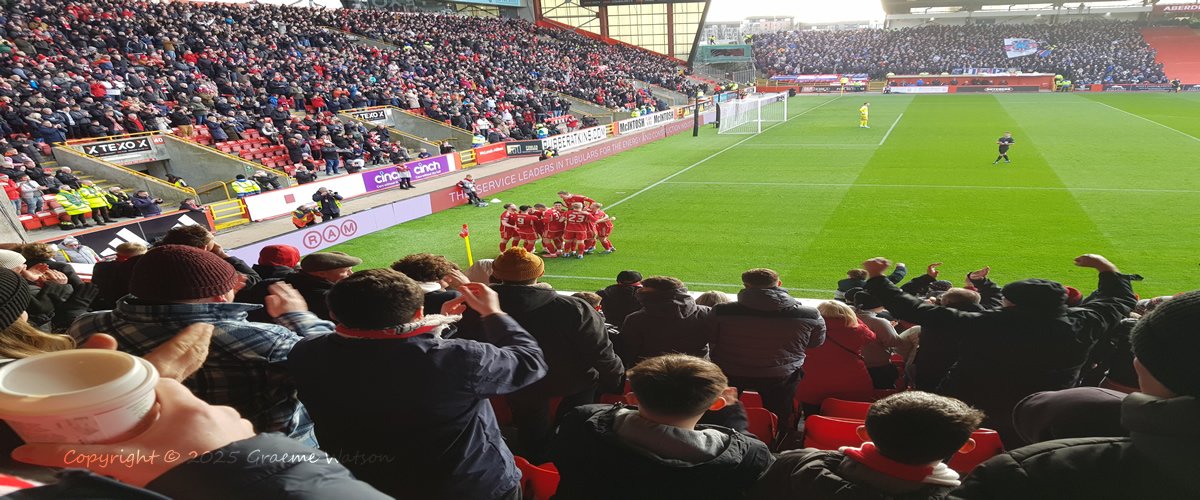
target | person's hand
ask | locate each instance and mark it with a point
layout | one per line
(932, 270)
(177, 359)
(877, 266)
(480, 298)
(980, 274)
(52, 276)
(454, 279)
(1097, 262)
(183, 428)
(218, 250)
(284, 299)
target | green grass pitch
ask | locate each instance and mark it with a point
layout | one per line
(1114, 174)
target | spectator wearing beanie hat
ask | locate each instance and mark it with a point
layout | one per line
(619, 300)
(571, 334)
(318, 273)
(1034, 326)
(276, 261)
(387, 385)
(1157, 460)
(174, 286)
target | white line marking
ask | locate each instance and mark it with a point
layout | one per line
(714, 155)
(1185, 134)
(893, 127)
(935, 186)
(687, 282)
(802, 145)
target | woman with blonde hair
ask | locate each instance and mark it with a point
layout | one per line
(836, 368)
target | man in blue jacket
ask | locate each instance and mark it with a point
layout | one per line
(405, 409)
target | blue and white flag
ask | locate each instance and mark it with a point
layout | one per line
(1017, 47)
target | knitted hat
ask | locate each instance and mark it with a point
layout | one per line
(516, 264)
(279, 255)
(14, 297)
(629, 277)
(939, 287)
(1165, 340)
(10, 259)
(1036, 294)
(178, 272)
(325, 261)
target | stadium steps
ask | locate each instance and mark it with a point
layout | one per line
(1178, 50)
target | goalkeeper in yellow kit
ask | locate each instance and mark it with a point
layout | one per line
(863, 115)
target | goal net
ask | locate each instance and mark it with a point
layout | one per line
(748, 115)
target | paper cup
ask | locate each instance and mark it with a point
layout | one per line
(77, 396)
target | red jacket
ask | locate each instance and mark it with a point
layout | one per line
(10, 188)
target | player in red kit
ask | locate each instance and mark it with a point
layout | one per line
(571, 199)
(604, 227)
(508, 231)
(526, 226)
(539, 210)
(578, 222)
(555, 221)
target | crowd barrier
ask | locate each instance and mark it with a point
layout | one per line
(104, 240)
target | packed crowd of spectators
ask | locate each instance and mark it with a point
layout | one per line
(329, 380)
(1082, 51)
(105, 67)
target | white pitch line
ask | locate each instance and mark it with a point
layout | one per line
(893, 127)
(1185, 134)
(714, 155)
(687, 282)
(936, 186)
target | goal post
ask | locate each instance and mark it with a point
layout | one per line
(749, 114)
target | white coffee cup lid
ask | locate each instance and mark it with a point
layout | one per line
(69, 381)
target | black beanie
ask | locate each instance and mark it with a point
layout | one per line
(1166, 340)
(865, 301)
(1037, 294)
(14, 297)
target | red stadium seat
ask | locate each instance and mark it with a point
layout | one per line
(751, 399)
(763, 424)
(987, 445)
(840, 408)
(828, 433)
(538, 482)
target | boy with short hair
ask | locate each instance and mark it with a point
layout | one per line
(658, 449)
(907, 437)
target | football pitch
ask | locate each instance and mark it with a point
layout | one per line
(1114, 174)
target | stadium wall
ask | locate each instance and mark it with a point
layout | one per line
(379, 218)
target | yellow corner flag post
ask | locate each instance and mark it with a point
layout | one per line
(465, 234)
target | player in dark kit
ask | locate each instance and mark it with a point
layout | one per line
(1005, 143)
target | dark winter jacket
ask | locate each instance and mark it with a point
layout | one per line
(764, 333)
(1011, 353)
(112, 278)
(330, 203)
(940, 346)
(411, 415)
(829, 475)
(238, 470)
(595, 461)
(618, 302)
(272, 272)
(313, 289)
(1159, 460)
(570, 333)
(670, 322)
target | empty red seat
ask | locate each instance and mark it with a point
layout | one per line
(751, 399)
(828, 433)
(987, 445)
(840, 408)
(30, 222)
(537, 482)
(763, 424)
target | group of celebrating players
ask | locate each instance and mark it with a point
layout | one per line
(569, 228)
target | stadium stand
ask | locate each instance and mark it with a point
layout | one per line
(1084, 51)
(386, 399)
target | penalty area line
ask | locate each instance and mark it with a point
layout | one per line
(893, 127)
(714, 155)
(1180, 132)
